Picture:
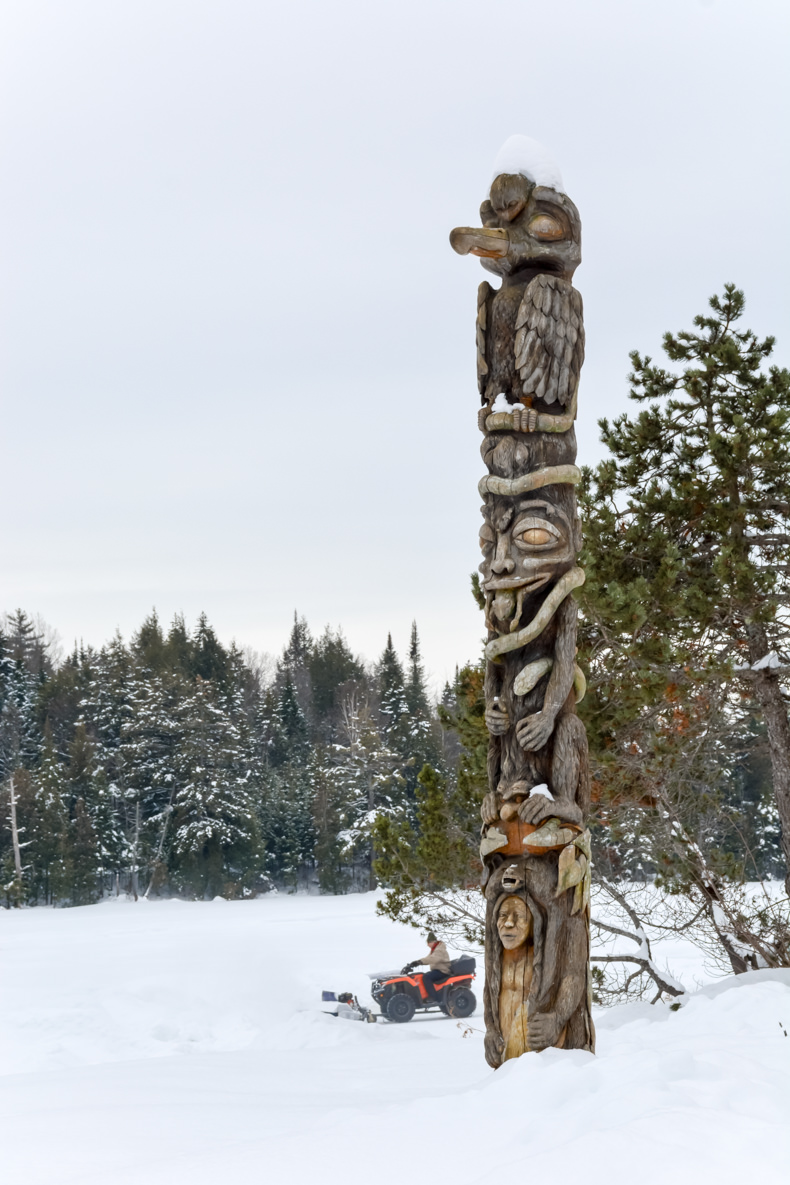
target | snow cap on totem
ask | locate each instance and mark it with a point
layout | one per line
(522, 154)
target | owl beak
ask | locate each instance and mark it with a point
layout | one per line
(488, 242)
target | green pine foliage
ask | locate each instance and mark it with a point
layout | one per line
(430, 868)
(687, 556)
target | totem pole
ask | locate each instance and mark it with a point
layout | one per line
(535, 847)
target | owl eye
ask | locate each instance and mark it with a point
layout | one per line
(545, 227)
(536, 536)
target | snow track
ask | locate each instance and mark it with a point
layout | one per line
(168, 1042)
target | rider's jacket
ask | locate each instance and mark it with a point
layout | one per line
(437, 958)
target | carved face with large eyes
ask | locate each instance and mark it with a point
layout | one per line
(543, 228)
(526, 542)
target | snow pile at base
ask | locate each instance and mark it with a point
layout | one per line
(522, 154)
(168, 1043)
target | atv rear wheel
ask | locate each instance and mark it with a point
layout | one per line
(461, 1002)
(400, 1008)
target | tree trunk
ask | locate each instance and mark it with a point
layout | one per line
(135, 874)
(769, 696)
(771, 700)
(15, 832)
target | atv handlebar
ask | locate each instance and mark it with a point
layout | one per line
(408, 968)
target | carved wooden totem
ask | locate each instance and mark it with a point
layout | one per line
(535, 847)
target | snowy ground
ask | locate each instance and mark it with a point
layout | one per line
(174, 1042)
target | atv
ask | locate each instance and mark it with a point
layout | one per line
(399, 994)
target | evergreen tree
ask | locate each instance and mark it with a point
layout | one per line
(287, 821)
(289, 741)
(368, 779)
(209, 657)
(396, 729)
(148, 644)
(431, 868)
(216, 841)
(146, 772)
(86, 784)
(22, 669)
(333, 671)
(424, 747)
(415, 688)
(46, 826)
(294, 665)
(82, 862)
(179, 650)
(688, 564)
(328, 806)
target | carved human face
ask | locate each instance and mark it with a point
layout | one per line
(544, 230)
(514, 923)
(526, 542)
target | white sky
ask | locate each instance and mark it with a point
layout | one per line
(238, 351)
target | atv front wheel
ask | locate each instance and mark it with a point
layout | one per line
(461, 1002)
(400, 1008)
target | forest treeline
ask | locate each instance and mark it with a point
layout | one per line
(172, 764)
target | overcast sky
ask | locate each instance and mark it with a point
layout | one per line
(238, 351)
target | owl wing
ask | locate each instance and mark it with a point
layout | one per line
(550, 339)
(484, 292)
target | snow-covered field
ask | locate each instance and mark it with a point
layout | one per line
(169, 1042)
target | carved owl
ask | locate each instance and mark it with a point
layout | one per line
(530, 331)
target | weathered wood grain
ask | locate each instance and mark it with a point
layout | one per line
(534, 846)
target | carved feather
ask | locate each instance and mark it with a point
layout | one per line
(549, 344)
(483, 294)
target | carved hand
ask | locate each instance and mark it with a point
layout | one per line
(533, 731)
(497, 720)
(489, 810)
(494, 1047)
(543, 1030)
(525, 419)
(482, 416)
(566, 812)
(536, 809)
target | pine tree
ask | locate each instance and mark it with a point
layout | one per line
(148, 644)
(333, 671)
(22, 669)
(416, 691)
(287, 825)
(687, 558)
(146, 779)
(82, 863)
(86, 784)
(209, 656)
(294, 665)
(368, 779)
(216, 841)
(430, 869)
(46, 826)
(179, 649)
(328, 805)
(396, 728)
(289, 742)
(424, 747)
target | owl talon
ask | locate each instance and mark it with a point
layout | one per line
(525, 419)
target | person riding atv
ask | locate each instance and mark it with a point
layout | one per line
(438, 962)
(446, 987)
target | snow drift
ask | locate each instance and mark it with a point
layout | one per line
(168, 1042)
